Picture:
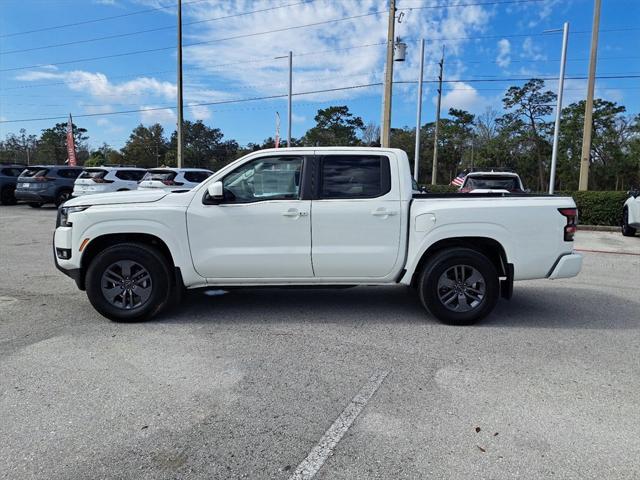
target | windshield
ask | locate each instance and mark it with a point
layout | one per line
(493, 182)
(93, 173)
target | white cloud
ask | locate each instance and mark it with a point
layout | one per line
(504, 53)
(531, 51)
(163, 116)
(465, 97)
(200, 112)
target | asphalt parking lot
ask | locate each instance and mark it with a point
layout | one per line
(249, 384)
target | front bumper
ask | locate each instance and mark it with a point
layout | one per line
(567, 266)
(70, 266)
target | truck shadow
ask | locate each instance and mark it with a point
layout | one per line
(532, 306)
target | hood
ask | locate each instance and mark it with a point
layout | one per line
(112, 198)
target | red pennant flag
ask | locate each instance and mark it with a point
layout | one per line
(71, 146)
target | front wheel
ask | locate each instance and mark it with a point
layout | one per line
(459, 286)
(129, 282)
(627, 231)
(7, 196)
(62, 197)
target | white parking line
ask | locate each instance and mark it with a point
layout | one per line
(319, 454)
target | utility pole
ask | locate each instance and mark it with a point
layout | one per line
(583, 183)
(289, 105)
(434, 171)
(556, 129)
(385, 133)
(416, 157)
(179, 130)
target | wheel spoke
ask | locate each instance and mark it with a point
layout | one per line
(125, 267)
(112, 275)
(475, 277)
(126, 284)
(449, 297)
(463, 305)
(111, 293)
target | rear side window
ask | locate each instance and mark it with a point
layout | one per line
(160, 175)
(34, 172)
(69, 173)
(11, 172)
(93, 173)
(354, 176)
(196, 177)
(131, 175)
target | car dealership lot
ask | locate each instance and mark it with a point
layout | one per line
(245, 384)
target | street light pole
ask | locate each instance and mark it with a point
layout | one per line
(556, 129)
(416, 157)
(583, 183)
(289, 105)
(180, 113)
(434, 169)
(385, 133)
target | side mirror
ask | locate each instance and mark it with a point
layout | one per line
(216, 191)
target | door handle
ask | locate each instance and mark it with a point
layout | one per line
(294, 213)
(383, 212)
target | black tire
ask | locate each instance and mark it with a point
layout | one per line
(470, 262)
(144, 256)
(7, 196)
(627, 231)
(62, 196)
(35, 204)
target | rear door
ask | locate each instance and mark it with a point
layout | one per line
(355, 216)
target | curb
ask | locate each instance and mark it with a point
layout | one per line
(599, 228)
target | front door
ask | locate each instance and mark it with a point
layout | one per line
(262, 228)
(356, 219)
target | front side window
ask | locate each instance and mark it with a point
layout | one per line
(269, 178)
(354, 176)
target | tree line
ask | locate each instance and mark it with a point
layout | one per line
(518, 138)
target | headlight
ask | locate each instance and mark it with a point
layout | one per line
(64, 212)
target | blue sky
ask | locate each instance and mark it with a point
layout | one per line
(485, 41)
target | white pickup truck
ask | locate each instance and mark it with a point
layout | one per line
(331, 216)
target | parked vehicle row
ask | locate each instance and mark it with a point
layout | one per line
(41, 184)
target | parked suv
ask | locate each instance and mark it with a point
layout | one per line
(631, 214)
(174, 178)
(107, 179)
(42, 184)
(9, 174)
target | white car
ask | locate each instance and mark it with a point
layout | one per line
(488, 182)
(107, 179)
(631, 214)
(313, 216)
(173, 178)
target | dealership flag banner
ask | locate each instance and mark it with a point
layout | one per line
(277, 140)
(71, 147)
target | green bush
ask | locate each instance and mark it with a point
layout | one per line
(598, 208)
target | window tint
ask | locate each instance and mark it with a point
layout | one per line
(93, 173)
(196, 177)
(69, 172)
(493, 182)
(131, 175)
(354, 176)
(160, 175)
(11, 172)
(34, 172)
(270, 178)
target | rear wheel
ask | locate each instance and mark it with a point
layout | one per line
(129, 282)
(35, 204)
(62, 197)
(459, 286)
(7, 196)
(627, 231)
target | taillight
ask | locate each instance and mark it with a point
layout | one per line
(572, 222)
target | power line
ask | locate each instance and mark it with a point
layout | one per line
(95, 20)
(157, 29)
(205, 42)
(313, 92)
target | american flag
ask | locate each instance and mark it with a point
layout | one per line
(459, 180)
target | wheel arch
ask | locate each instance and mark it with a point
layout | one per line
(487, 246)
(99, 244)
